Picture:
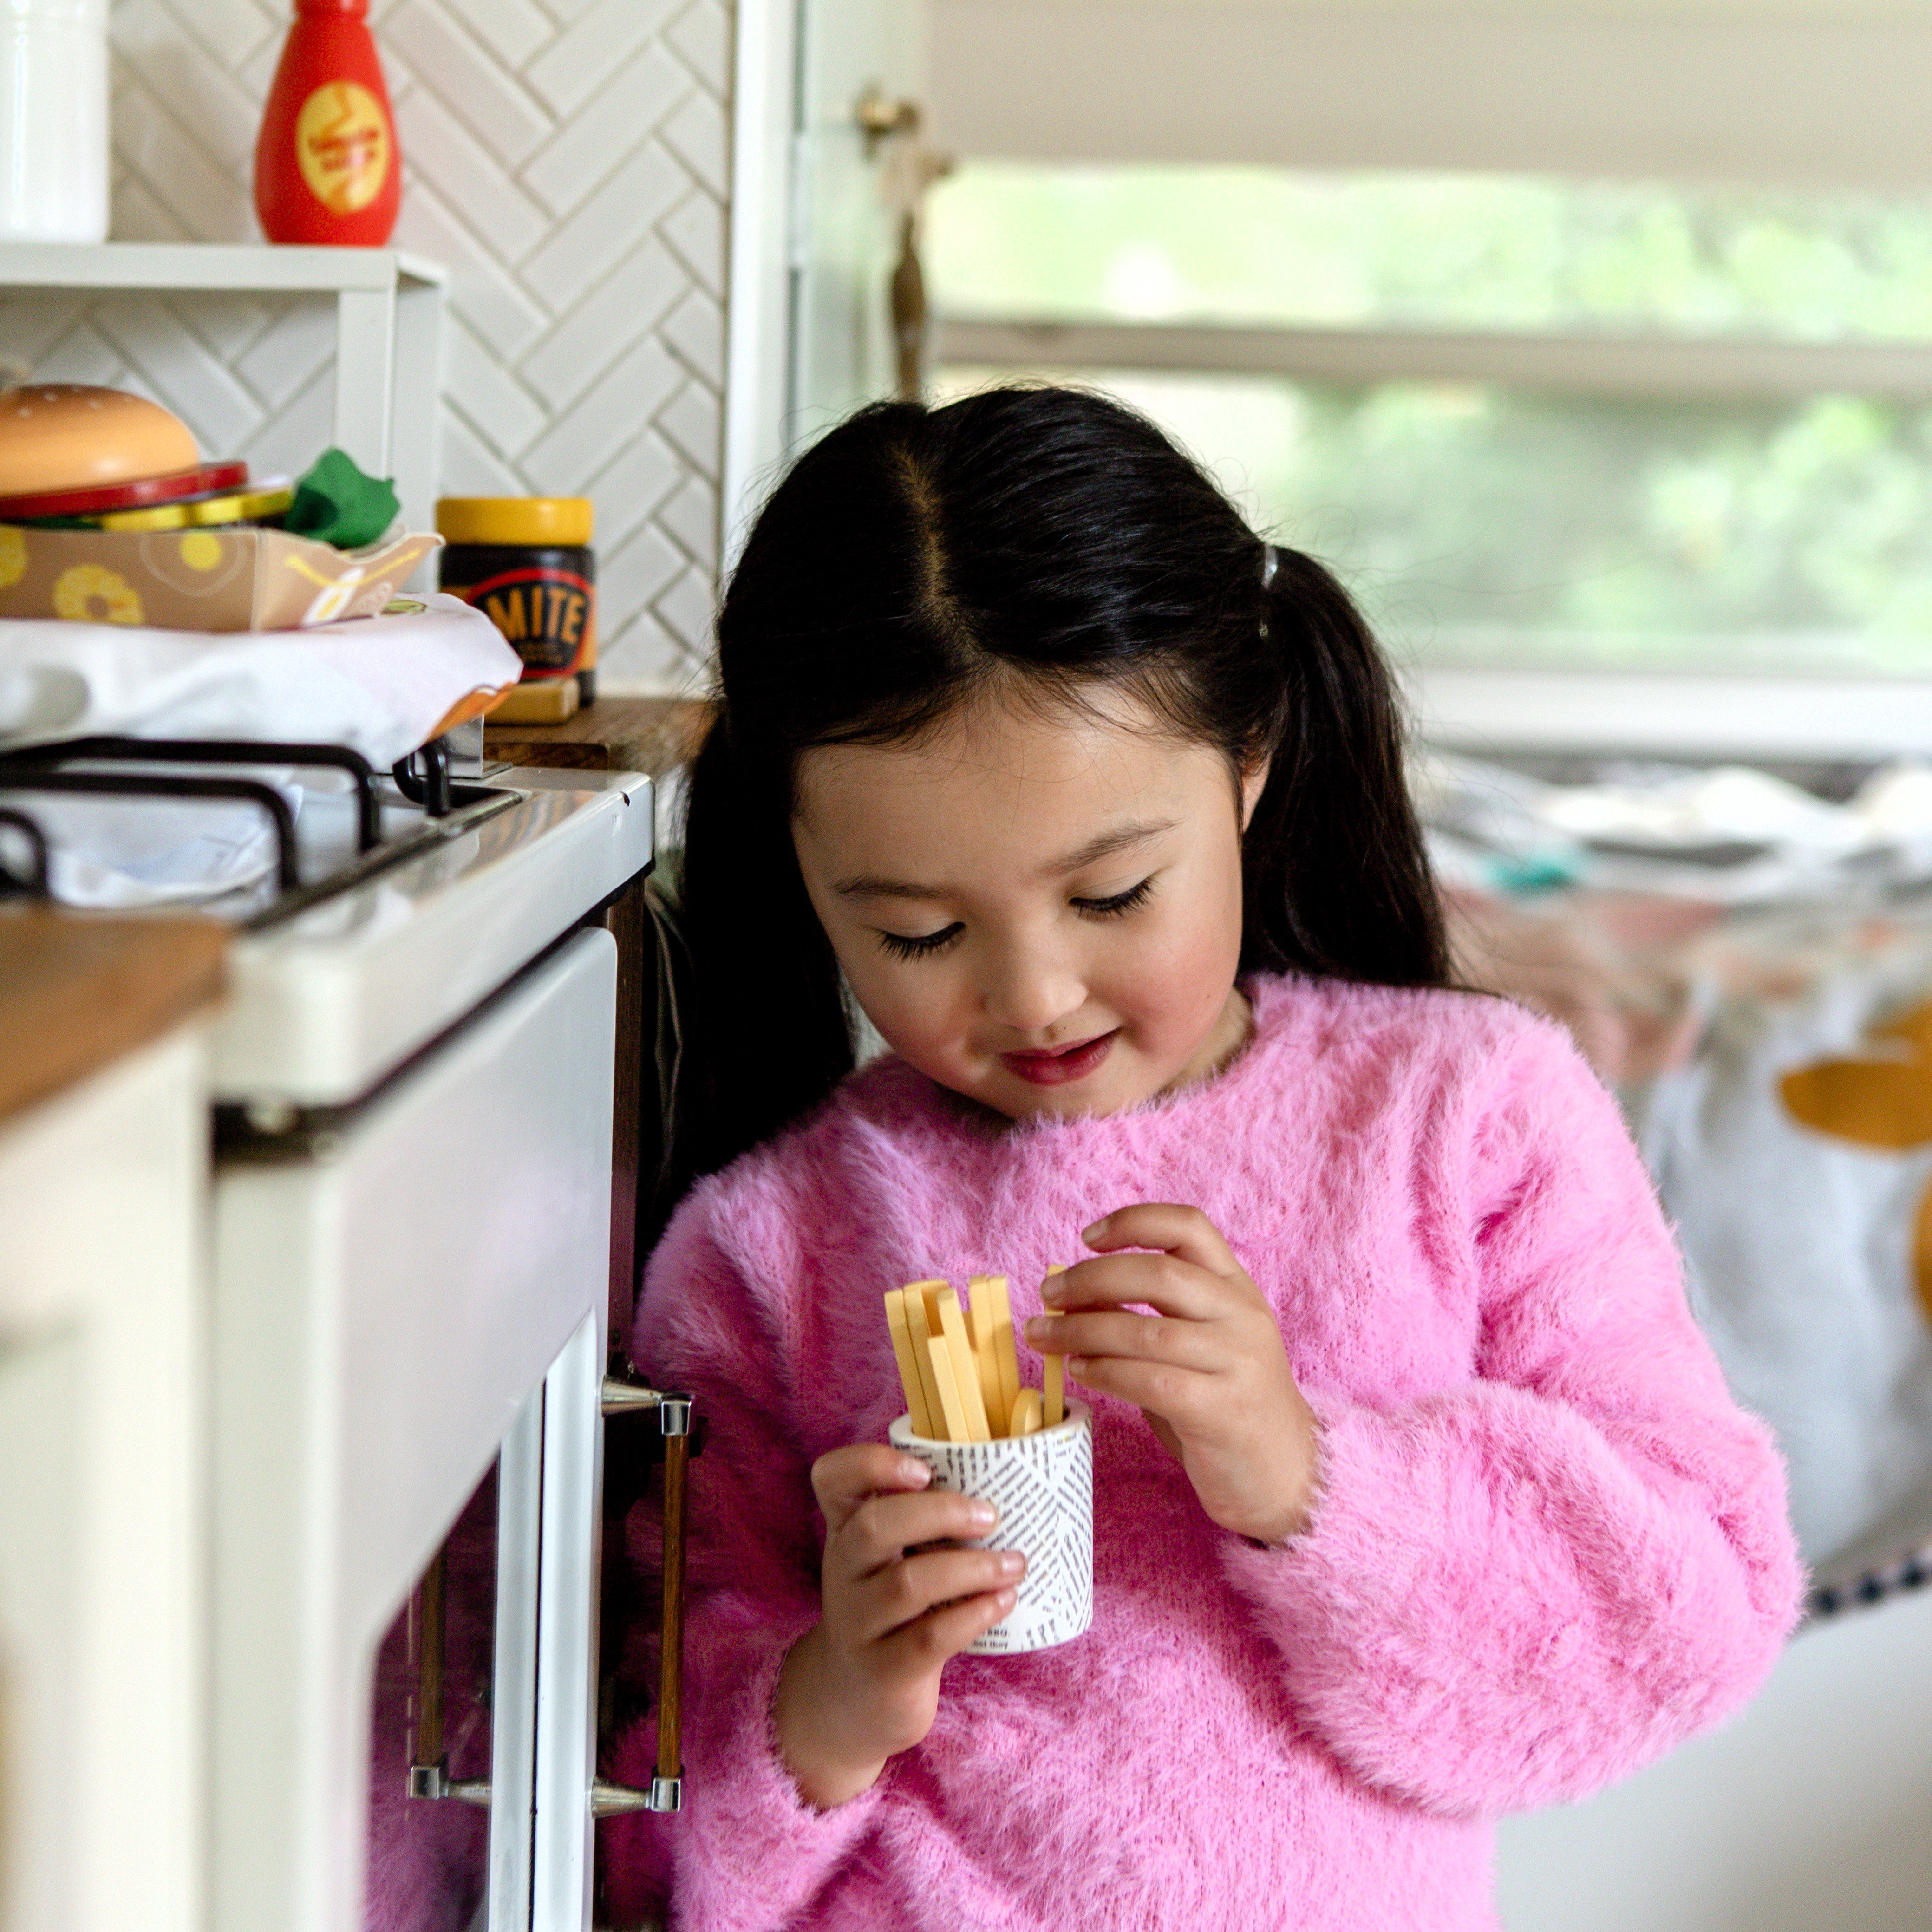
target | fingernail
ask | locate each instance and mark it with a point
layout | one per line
(1011, 1563)
(914, 1471)
(1051, 1291)
(1038, 1328)
(1099, 1227)
(984, 1512)
(1076, 1366)
(1006, 1599)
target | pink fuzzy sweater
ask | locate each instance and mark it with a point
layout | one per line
(1546, 1546)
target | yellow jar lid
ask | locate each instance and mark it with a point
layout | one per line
(563, 521)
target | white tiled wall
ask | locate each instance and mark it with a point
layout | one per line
(567, 160)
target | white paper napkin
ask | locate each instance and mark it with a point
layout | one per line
(378, 684)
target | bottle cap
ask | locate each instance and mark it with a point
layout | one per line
(563, 521)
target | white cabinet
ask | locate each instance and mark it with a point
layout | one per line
(102, 1526)
(388, 334)
(291, 1406)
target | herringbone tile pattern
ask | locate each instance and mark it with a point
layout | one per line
(567, 159)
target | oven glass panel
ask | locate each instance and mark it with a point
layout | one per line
(428, 1858)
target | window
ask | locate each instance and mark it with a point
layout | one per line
(1532, 422)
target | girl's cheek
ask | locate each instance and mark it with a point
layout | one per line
(913, 1015)
(1179, 985)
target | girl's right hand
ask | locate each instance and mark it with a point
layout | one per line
(863, 1683)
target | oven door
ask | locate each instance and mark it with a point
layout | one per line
(403, 1291)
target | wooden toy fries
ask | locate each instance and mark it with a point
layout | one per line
(1029, 1452)
(958, 1366)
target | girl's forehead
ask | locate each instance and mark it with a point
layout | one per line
(1025, 777)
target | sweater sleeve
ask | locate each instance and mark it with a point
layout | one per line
(1513, 1592)
(749, 1851)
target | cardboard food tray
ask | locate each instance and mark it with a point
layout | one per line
(199, 579)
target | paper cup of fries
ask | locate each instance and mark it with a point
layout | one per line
(1043, 1485)
(1028, 1452)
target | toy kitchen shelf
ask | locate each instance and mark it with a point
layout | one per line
(388, 329)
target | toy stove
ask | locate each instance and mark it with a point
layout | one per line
(412, 1265)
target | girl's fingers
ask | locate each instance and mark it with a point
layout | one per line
(928, 1642)
(906, 1591)
(1174, 1393)
(1147, 1338)
(843, 1479)
(883, 1528)
(1185, 1233)
(1165, 1281)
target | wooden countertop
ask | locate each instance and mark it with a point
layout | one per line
(77, 991)
(616, 734)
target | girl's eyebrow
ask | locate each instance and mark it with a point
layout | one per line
(871, 885)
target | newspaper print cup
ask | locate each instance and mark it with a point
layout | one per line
(1043, 1485)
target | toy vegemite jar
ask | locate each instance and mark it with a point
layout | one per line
(526, 562)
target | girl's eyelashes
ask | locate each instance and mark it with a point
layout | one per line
(1129, 901)
(921, 945)
(924, 945)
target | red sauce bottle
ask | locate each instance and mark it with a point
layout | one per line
(327, 165)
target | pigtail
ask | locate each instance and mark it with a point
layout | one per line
(1337, 877)
(765, 1034)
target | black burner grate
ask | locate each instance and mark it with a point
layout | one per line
(423, 778)
(34, 881)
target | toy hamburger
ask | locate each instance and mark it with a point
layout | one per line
(109, 516)
(71, 451)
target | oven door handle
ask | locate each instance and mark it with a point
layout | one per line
(429, 1769)
(666, 1792)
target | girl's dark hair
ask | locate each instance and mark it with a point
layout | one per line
(1049, 539)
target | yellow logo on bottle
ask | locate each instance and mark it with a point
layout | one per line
(343, 146)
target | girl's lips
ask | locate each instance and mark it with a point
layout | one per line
(1056, 1067)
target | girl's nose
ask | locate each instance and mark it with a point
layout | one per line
(1029, 994)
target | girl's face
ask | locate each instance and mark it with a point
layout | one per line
(1040, 910)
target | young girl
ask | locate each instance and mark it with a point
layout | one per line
(1418, 1498)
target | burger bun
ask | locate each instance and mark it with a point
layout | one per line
(72, 436)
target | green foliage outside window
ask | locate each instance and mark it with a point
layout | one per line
(1485, 523)
(1437, 251)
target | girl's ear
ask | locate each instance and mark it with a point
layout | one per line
(1253, 781)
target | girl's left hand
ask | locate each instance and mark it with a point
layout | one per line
(1209, 1372)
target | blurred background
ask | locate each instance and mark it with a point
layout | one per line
(1532, 419)
(1572, 334)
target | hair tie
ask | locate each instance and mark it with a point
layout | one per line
(1270, 563)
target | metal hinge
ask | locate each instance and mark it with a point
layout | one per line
(433, 1781)
(673, 1405)
(663, 1794)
